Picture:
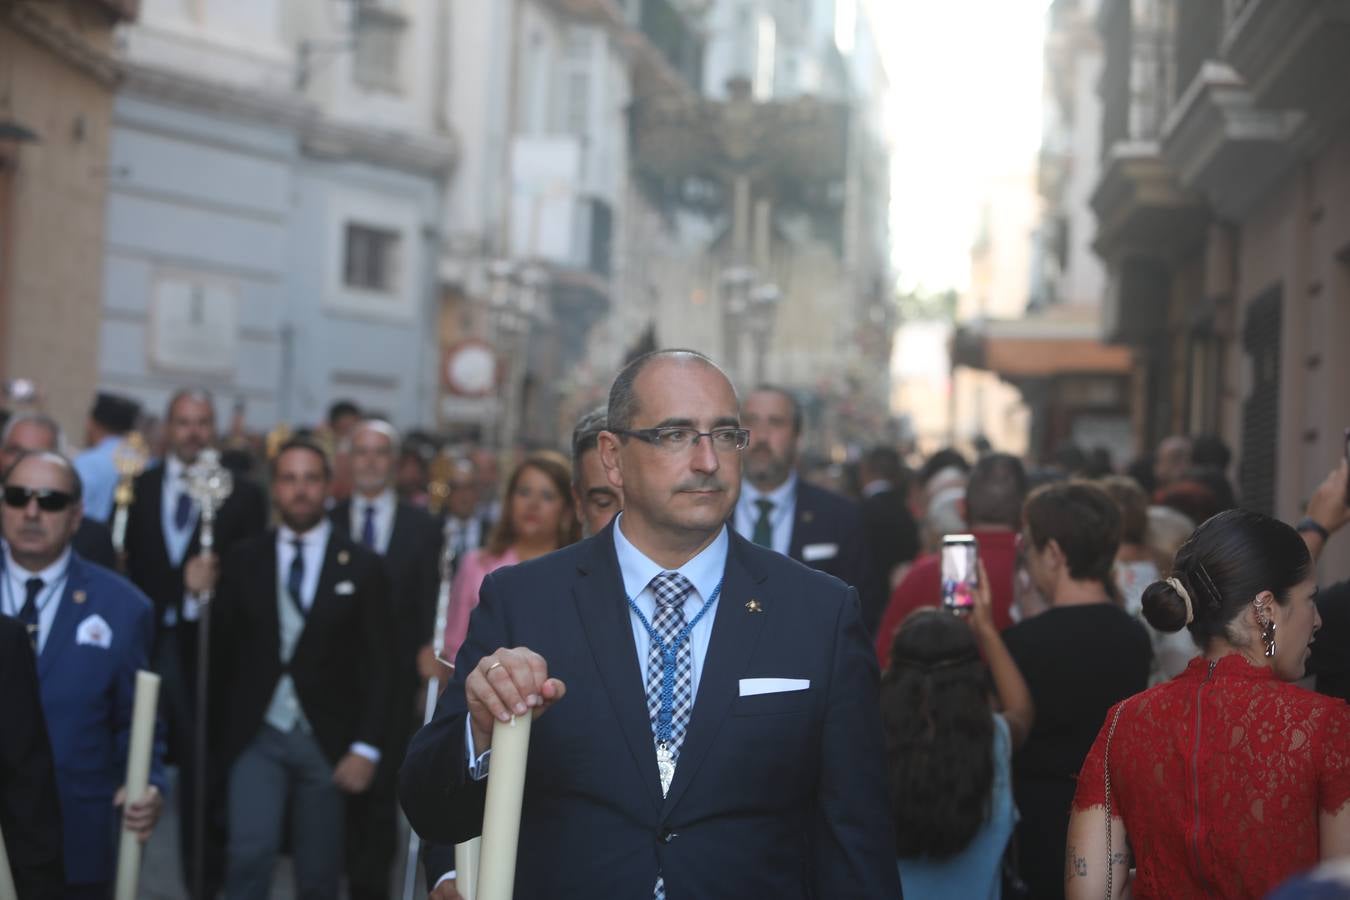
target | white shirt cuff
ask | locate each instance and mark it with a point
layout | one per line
(478, 763)
(448, 876)
(192, 609)
(367, 751)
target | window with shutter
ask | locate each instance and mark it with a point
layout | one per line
(1260, 410)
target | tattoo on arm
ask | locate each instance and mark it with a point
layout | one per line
(1077, 865)
(1120, 858)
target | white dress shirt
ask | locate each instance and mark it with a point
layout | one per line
(705, 572)
(175, 483)
(463, 535)
(784, 499)
(14, 591)
(386, 506)
(313, 544)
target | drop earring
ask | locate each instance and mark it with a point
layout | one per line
(1268, 637)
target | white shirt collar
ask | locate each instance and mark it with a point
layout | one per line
(48, 575)
(876, 486)
(704, 571)
(316, 536)
(174, 470)
(782, 496)
(384, 502)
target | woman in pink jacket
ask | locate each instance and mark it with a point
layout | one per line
(537, 518)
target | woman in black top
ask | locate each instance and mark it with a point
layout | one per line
(1079, 657)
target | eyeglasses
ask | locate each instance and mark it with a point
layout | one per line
(48, 500)
(676, 439)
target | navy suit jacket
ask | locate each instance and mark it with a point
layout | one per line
(87, 695)
(776, 795)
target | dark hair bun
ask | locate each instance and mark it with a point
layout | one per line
(1163, 607)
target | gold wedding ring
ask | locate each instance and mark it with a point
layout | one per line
(491, 667)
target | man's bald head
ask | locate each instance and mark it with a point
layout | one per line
(624, 399)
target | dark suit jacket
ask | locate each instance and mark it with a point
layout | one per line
(827, 535)
(342, 665)
(93, 541)
(776, 795)
(892, 539)
(88, 691)
(412, 572)
(30, 810)
(243, 515)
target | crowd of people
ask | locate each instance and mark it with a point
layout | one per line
(1135, 702)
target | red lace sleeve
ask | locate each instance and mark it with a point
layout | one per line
(1333, 758)
(1091, 790)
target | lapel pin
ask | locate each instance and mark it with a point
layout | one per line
(343, 556)
(753, 606)
(79, 596)
(807, 515)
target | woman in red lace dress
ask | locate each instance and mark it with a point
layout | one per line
(1228, 779)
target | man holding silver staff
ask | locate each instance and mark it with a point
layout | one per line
(165, 559)
(301, 678)
(711, 725)
(409, 543)
(91, 630)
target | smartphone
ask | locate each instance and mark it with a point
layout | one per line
(960, 572)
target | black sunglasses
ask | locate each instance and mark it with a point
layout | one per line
(48, 500)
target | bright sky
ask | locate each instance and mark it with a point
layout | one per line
(965, 80)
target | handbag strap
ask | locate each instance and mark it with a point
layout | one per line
(1106, 768)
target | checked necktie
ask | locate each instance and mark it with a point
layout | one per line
(671, 589)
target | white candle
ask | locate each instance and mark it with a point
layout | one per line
(501, 814)
(466, 867)
(7, 889)
(138, 779)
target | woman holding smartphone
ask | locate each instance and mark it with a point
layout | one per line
(949, 748)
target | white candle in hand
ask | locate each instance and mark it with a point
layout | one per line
(466, 867)
(138, 779)
(501, 813)
(7, 889)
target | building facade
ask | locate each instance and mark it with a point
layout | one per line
(277, 175)
(1223, 224)
(57, 84)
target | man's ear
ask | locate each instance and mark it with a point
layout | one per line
(608, 445)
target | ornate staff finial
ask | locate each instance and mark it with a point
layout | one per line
(129, 459)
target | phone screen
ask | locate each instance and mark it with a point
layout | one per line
(959, 572)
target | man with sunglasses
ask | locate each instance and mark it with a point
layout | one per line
(712, 726)
(91, 631)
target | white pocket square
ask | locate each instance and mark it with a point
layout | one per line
(813, 552)
(344, 588)
(95, 632)
(753, 686)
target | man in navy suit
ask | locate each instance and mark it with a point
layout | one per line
(778, 510)
(712, 726)
(91, 629)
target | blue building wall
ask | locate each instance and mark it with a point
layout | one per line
(234, 207)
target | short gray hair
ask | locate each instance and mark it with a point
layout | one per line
(586, 437)
(201, 395)
(623, 400)
(379, 426)
(43, 421)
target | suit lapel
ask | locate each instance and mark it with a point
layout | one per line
(341, 517)
(266, 591)
(335, 559)
(735, 635)
(599, 595)
(69, 614)
(398, 533)
(803, 521)
(153, 488)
